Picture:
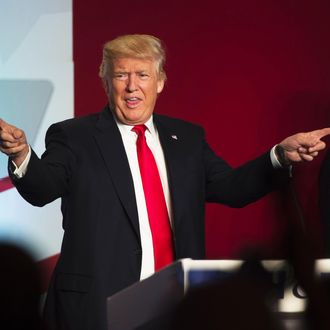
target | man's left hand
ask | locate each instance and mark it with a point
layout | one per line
(304, 146)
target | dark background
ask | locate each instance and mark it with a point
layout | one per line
(250, 72)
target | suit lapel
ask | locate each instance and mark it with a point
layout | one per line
(173, 153)
(111, 147)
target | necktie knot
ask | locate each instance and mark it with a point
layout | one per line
(139, 129)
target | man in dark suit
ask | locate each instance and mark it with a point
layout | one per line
(94, 165)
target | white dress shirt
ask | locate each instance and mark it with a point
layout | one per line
(129, 139)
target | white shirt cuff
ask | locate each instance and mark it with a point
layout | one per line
(20, 171)
(274, 160)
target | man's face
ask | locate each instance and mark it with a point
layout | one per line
(132, 86)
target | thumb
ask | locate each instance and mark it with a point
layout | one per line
(17, 133)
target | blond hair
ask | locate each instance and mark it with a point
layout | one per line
(142, 46)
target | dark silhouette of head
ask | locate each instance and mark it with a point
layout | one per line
(20, 289)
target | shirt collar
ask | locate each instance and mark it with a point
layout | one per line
(126, 129)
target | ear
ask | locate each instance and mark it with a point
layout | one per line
(106, 86)
(160, 85)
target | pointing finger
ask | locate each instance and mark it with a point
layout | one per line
(5, 127)
(2, 124)
(320, 133)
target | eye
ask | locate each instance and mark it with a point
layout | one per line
(143, 75)
(120, 75)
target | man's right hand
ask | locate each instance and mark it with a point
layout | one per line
(13, 142)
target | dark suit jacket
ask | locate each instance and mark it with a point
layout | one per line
(86, 165)
(325, 200)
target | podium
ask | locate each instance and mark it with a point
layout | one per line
(151, 303)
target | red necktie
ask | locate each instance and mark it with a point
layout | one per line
(155, 201)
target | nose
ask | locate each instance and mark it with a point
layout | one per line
(131, 83)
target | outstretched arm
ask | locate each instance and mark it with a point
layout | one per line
(13, 142)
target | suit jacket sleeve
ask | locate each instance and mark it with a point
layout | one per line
(48, 178)
(237, 187)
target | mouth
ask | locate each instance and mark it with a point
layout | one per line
(132, 102)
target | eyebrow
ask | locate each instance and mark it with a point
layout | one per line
(123, 71)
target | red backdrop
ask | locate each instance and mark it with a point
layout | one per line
(250, 72)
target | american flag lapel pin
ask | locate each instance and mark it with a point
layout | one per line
(174, 137)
